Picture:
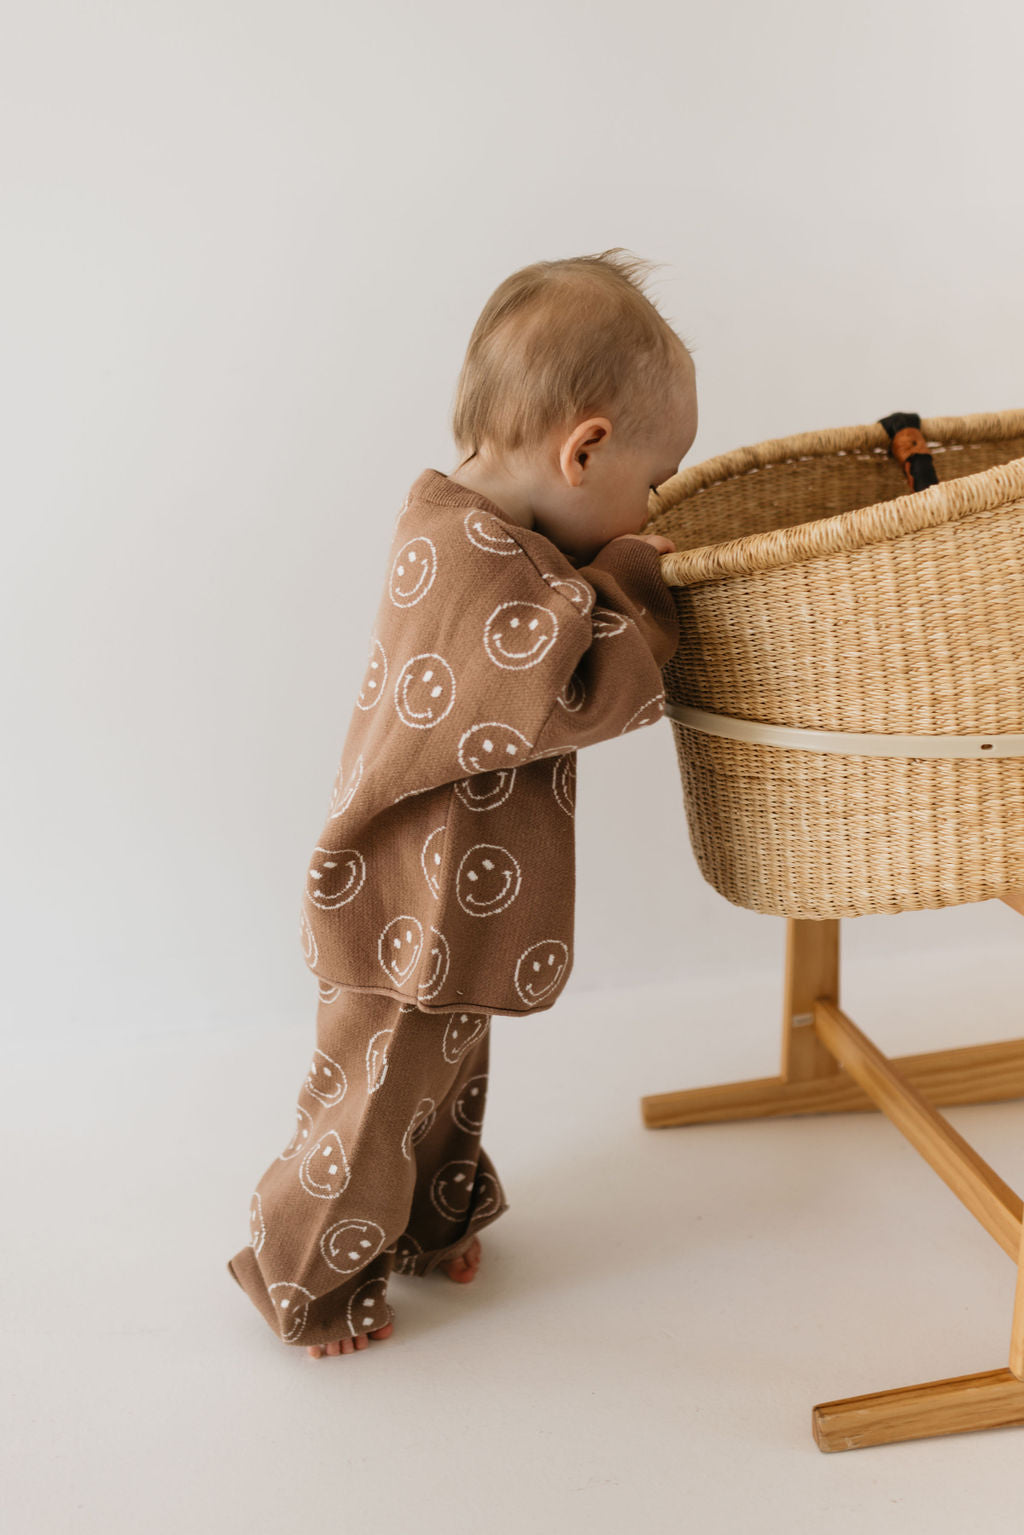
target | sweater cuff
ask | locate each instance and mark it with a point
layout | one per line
(636, 566)
(634, 562)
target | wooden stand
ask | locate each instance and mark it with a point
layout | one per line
(829, 1066)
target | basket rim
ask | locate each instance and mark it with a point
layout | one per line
(847, 531)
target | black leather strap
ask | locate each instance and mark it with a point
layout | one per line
(909, 447)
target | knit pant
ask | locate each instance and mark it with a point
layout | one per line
(385, 1171)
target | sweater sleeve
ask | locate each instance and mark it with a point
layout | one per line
(519, 663)
(611, 679)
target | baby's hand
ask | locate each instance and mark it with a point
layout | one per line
(661, 543)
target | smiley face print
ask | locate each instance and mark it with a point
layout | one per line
(291, 1307)
(607, 622)
(368, 1309)
(451, 1189)
(257, 1229)
(573, 695)
(325, 1080)
(492, 746)
(350, 1244)
(468, 1108)
(461, 1031)
(324, 1170)
(303, 1126)
(431, 855)
(563, 782)
(413, 572)
(486, 791)
(437, 968)
(424, 691)
(335, 876)
(345, 786)
(377, 1059)
(423, 1117)
(375, 681)
(519, 634)
(540, 969)
(647, 714)
(489, 1197)
(488, 880)
(578, 592)
(310, 952)
(398, 947)
(486, 533)
(407, 1252)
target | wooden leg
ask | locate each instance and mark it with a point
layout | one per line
(994, 1399)
(812, 972)
(816, 1036)
(1017, 1330)
(811, 1080)
(991, 1200)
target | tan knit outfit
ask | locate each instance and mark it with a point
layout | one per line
(442, 889)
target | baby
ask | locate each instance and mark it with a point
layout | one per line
(524, 616)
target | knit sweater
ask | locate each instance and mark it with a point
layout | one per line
(444, 874)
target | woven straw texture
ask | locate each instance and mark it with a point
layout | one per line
(814, 589)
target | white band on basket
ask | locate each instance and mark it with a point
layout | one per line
(848, 742)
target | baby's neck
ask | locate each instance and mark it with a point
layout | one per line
(499, 485)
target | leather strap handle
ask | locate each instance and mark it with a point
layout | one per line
(909, 447)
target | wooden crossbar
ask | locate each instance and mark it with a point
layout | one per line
(829, 1065)
(961, 1168)
(967, 1074)
(956, 1405)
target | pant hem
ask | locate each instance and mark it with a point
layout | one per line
(427, 1262)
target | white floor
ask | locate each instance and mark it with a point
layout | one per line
(655, 1316)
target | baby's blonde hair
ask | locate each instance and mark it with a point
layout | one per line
(560, 340)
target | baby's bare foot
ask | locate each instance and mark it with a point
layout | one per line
(463, 1267)
(350, 1345)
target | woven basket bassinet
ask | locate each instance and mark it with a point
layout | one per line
(817, 592)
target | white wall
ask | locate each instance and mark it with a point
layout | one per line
(243, 248)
